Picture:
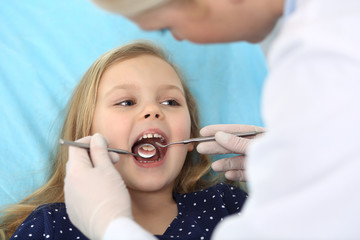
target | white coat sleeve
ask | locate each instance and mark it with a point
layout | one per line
(304, 172)
(125, 228)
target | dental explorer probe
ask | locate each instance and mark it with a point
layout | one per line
(208, 139)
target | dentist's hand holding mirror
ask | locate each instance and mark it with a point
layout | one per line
(84, 177)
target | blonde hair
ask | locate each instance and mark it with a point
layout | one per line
(130, 7)
(195, 174)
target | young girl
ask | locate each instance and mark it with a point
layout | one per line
(133, 95)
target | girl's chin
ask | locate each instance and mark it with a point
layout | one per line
(149, 187)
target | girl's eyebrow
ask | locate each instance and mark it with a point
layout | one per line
(125, 86)
(129, 86)
(172, 87)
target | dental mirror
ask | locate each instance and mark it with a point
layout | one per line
(146, 150)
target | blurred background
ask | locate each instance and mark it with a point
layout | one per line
(46, 47)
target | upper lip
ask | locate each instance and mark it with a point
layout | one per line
(151, 131)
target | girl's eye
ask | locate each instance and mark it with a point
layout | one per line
(126, 103)
(171, 102)
(163, 31)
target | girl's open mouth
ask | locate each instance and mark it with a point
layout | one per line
(145, 146)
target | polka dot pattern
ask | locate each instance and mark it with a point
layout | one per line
(198, 214)
(48, 221)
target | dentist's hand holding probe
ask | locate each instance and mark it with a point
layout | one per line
(234, 167)
(92, 213)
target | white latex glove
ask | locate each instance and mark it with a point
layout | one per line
(234, 167)
(95, 193)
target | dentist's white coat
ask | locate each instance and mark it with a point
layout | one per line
(304, 174)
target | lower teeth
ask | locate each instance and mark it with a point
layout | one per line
(149, 161)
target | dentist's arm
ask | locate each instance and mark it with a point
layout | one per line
(96, 197)
(234, 167)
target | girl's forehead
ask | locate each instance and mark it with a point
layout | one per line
(142, 64)
(141, 70)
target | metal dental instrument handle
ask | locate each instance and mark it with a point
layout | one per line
(208, 139)
(87, 146)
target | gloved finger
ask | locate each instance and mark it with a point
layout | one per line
(211, 148)
(210, 130)
(114, 157)
(227, 143)
(231, 142)
(236, 175)
(79, 157)
(98, 151)
(226, 164)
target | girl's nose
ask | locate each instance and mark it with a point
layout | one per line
(149, 115)
(152, 111)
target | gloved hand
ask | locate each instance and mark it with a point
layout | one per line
(234, 167)
(95, 193)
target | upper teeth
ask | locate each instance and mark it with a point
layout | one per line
(152, 135)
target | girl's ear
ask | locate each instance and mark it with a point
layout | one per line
(190, 147)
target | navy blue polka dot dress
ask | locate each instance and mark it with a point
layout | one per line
(198, 214)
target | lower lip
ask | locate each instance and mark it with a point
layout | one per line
(150, 164)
